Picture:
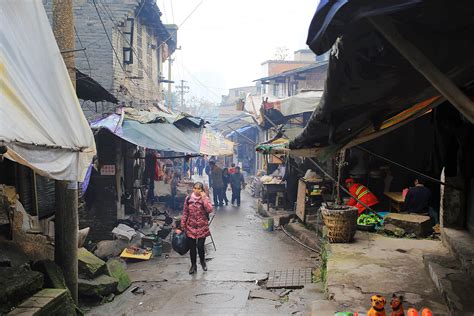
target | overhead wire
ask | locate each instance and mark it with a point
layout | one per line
(140, 62)
(84, 50)
(197, 80)
(112, 45)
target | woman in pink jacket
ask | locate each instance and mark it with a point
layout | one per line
(195, 222)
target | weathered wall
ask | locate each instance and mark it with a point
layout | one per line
(104, 64)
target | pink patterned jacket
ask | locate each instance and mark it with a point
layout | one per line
(194, 220)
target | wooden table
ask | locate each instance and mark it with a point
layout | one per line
(396, 200)
(269, 188)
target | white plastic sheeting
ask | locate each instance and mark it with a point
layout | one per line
(41, 121)
(297, 104)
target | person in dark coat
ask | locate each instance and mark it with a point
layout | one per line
(418, 200)
(236, 183)
(226, 180)
(195, 223)
(217, 183)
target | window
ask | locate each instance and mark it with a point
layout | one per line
(294, 88)
(128, 41)
(275, 89)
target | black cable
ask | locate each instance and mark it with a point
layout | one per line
(407, 168)
(85, 53)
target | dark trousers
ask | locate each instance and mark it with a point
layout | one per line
(236, 195)
(217, 195)
(150, 197)
(224, 195)
(200, 169)
(199, 244)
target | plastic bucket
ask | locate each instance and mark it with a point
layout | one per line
(157, 248)
(267, 224)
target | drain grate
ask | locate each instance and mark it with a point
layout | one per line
(289, 279)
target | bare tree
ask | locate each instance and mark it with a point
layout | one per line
(281, 53)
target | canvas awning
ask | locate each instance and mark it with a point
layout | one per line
(296, 104)
(159, 136)
(41, 121)
(369, 82)
(214, 144)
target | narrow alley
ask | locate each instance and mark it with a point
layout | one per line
(245, 254)
(317, 155)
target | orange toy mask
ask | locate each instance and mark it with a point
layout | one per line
(397, 306)
(377, 306)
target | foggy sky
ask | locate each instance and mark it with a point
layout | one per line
(224, 42)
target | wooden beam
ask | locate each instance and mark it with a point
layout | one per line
(423, 65)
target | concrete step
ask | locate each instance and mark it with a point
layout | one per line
(459, 243)
(45, 303)
(17, 284)
(453, 283)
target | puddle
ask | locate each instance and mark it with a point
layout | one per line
(213, 298)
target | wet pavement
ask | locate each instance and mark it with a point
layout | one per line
(244, 257)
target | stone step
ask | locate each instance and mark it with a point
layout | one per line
(453, 283)
(459, 243)
(46, 302)
(17, 284)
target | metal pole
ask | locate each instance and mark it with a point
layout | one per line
(330, 177)
(169, 81)
(66, 218)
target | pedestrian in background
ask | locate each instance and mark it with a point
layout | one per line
(232, 168)
(195, 223)
(217, 183)
(226, 180)
(237, 182)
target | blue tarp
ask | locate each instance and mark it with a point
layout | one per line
(159, 136)
(241, 130)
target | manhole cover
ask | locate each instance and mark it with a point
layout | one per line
(290, 279)
(213, 298)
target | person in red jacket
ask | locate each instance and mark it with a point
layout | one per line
(362, 193)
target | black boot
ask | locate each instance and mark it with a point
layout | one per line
(192, 269)
(203, 265)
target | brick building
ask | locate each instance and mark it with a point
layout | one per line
(125, 46)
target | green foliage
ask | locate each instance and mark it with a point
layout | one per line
(368, 219)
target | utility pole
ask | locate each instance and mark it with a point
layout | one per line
(66, 218)
(182, 90)
(170, 62)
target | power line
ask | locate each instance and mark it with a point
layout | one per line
(110, 16)
(112, 45)
(85, 53)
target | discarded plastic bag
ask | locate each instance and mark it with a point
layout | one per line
(179, 242)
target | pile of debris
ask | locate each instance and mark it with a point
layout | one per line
(100, 280)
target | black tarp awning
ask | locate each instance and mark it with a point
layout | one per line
(89, 89)
(368, 81)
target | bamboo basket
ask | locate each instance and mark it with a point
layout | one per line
(341, 222)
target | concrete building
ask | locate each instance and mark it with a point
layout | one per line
(236, 94)
(292, 82)
(125, 45)
(282, 78)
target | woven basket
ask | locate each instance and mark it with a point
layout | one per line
(341, 222)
